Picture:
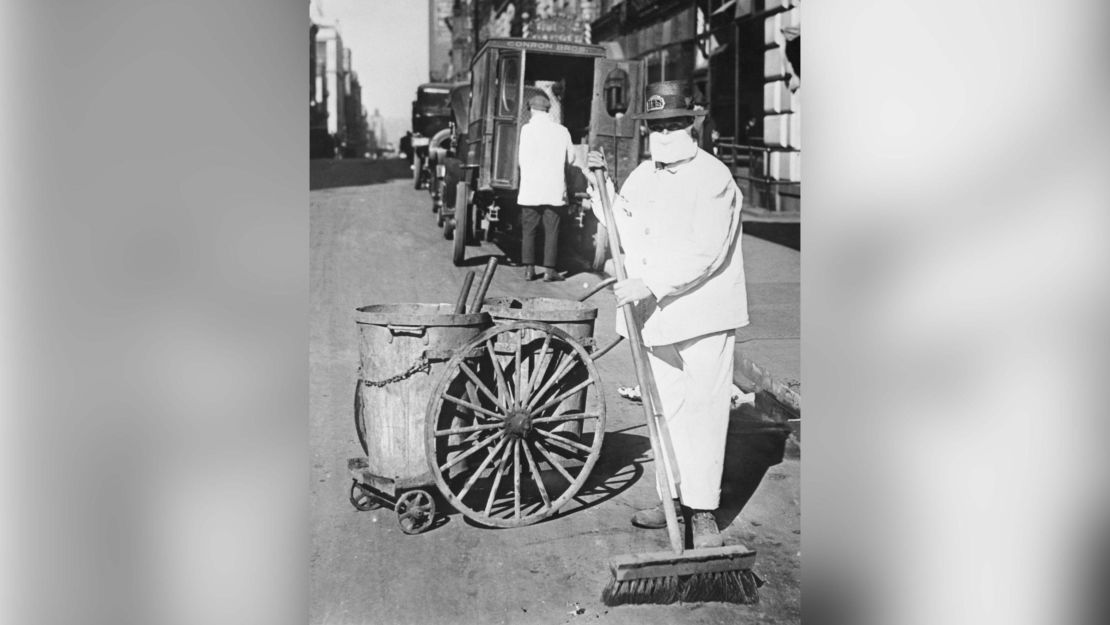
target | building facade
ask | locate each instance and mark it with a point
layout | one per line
(337, 118)
(358, 144)
(440, 39)
(472, 22)
(319, 141)
(743, 57)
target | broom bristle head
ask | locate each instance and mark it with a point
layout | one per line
(730, 586)
(646, 590)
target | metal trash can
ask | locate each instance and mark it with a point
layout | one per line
(403, 349)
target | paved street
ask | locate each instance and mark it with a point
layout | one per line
(378, 243)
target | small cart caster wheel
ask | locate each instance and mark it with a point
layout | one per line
(415, 511)
(360, 499)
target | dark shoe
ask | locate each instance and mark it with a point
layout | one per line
(654, 518)
(705, 530)
(551, 276)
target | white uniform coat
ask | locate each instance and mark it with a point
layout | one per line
(544, 150)
(680, 229)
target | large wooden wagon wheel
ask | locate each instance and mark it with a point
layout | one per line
(512, 428)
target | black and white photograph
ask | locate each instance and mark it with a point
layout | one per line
(555, 339)
(510, 325)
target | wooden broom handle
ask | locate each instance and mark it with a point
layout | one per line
(632, 323)
(666, 469)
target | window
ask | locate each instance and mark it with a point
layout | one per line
(509, 79)
(481, 88)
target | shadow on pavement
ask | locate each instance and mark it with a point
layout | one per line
(354, 172)
(785, 234)
(619, 465)
(753, 445)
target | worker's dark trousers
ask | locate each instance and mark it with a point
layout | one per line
(530, 217)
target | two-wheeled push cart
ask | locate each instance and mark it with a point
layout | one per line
(498, 413)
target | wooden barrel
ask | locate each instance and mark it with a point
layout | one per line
(402, 352)
(573, 317)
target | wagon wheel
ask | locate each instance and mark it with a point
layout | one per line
(475, 223)
(512, 431)
(415, 511)
(462, 228)
(361, 498)
(417, 171)
(438, 184)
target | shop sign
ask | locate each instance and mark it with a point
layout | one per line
(558, 28)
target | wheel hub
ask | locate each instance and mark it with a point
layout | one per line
(518, 423)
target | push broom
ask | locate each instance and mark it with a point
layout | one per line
(711, 574)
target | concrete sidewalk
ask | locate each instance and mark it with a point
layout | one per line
(768, 350)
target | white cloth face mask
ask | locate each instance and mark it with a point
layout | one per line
(672, 146)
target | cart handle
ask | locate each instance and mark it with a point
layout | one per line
(607, 348)
(483, 286)
(597, 287)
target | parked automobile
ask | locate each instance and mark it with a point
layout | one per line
(443, 152)
(431, 114)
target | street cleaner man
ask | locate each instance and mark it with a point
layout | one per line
(678, 217)
(545, 150)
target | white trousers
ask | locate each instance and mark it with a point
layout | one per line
(695, 385)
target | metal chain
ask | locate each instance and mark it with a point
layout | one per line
(421, 364)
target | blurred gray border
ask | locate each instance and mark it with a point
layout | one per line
(954, 303)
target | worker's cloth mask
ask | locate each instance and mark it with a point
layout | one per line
(671, 147)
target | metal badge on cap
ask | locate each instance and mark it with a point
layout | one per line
(656, 103)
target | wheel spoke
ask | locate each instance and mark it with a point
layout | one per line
(518, 374)
(564, 362)
(466, 454)
(414, 511)
(555, 438)
(496, 480)
(562, 396)
(536, 476)
(470, 428)
(481, 385)
(481, 467)
(553, 462)
(526, 395)
(502, 385)
(535, 382)
(567, 416)
(474, 407)
(516, 478)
